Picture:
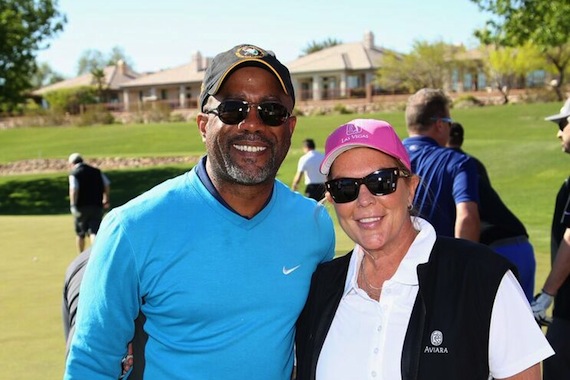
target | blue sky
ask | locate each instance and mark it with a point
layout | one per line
(162, 34)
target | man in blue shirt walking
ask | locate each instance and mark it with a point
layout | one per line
(448, 192)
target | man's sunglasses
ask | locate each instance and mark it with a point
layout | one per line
(562, 123)
(380, 182)
(444, 119)
(233, 112)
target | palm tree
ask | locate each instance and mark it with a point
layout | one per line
(99, 81)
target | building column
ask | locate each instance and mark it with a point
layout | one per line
(126, 100)
(317, 87)
(182, 96)
(342, 85)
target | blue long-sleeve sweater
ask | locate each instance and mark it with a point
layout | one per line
(221, 293)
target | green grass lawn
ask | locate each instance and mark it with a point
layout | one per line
(519, 148)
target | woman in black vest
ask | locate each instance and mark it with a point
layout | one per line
(405, 304)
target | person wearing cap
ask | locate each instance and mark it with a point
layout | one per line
(197, 256)
(406, 303)
(557, 285)
(448, 193)
(500, 228)
(309, 165)
(89, 196)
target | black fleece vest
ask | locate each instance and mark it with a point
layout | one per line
(90, 192)
(448, 333)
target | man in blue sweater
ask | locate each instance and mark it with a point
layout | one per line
(218, 260)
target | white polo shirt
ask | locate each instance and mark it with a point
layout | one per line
(310, 164)
(366, 336)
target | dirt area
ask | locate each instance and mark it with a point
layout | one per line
(60, 165)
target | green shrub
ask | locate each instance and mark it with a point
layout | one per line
(95, 115)
(298, 112)
(152, 112)
(539, 95)
(341, 109)
(467, 101)
(176, 118)
(71, 100)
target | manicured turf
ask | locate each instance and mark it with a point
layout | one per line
(520, 150)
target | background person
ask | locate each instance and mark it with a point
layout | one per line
(448, 193)
(89, 195)
(500, 228)
(196, 255)
(557, 285)
(405, 303)
(309, 165)
(71, 286)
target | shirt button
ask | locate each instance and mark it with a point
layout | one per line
(376, 350)
(379, 328)
(373, 373)
(388, 291)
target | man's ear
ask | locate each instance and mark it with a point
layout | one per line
(202, 121)
(329, 197)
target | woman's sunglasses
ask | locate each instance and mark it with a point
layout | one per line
(380, 182)
(233, 112)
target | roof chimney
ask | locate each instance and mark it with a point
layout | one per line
(122, 67)
(369, 40)
(198, 61)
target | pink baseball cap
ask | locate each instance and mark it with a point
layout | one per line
(370, 133)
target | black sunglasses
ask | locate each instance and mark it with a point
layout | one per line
(562, 123)
(380, 182)
(233, 112)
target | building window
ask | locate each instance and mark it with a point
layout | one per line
(354, 81)
(536, 79)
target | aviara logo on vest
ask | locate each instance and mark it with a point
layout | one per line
(436, 339)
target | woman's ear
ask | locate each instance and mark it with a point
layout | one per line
(413, 183)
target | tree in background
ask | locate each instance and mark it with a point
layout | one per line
(25, 28)
(315, 46)
(92, 59)
(44, 76)
(99, 79)
(541, 23)
(427, 65)
(507, 65)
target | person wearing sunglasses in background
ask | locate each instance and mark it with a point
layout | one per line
(500, 228)
(448, 195)
(197, 255)
(406, 303)
(557, 285)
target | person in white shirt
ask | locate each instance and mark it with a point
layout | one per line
(309, 165)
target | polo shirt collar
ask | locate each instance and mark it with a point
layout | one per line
(417, 254)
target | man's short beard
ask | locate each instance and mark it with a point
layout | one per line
(250, 178)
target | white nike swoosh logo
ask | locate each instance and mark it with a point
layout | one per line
(290, 270)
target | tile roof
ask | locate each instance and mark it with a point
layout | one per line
(343, 57)
(187, 73)
(115, 75)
